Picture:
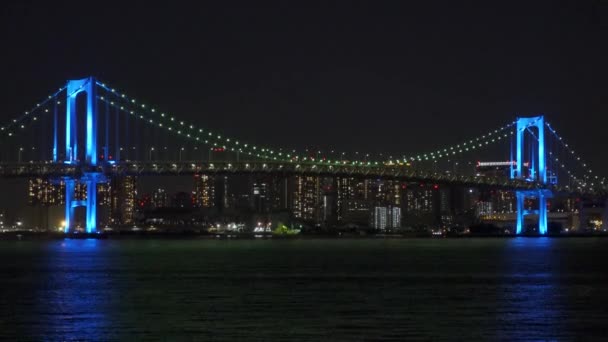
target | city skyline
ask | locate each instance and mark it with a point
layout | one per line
(316, 203)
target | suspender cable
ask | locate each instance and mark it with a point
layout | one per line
(106, 151)
(127, 148)
(55, 128)
(117, 133)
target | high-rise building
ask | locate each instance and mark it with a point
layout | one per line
(204, 190)
(328, 201)
(484, 208)
(267, 194)
(445, 203)
(306, 198)
(394, 217)
(421, 205)
(222, 198)
(503, 201)
(43, 192)
(160, 198)
(345, 192)
(420, 200)
(495, 202)
(447, 206)
(392, 192)
(379, 217)
(386, 217)
(124, 193)
(278, 193)
(354, 198)
(260, 196)
(80, 191)
(104, 194)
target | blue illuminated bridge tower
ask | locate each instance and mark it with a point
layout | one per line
(537, 171)
(74, 154)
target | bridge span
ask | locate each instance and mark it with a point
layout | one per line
(92, 145)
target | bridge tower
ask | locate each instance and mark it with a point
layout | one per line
(537, 171)
(89, 175)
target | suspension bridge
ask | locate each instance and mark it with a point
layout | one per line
(88, 132)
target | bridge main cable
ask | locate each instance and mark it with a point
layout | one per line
(191, 132)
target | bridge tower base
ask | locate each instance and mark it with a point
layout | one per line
(522, 212)
(536, 174)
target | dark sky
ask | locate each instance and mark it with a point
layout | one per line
(396, 76)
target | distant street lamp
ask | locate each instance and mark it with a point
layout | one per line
(150, 154)
(180, 154)
(20, 150)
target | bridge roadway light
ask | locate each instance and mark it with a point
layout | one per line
(150, 154)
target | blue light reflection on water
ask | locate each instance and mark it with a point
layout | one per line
(76, 292)
(362, 289)
(531, 308)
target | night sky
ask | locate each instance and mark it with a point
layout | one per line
(378, 76)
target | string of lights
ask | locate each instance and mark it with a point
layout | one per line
(9, 129)
(194, 136)
(170, 123)
(586, 169)
(216, 140)
(580, 182)
(127, 103)
(210, 141)
(470, 145)
(213, 141)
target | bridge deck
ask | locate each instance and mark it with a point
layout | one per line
(50, 169)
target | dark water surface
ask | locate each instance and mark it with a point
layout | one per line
(310, 290)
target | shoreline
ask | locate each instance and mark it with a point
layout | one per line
(22, 236)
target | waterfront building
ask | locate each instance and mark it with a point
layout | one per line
(388, 217)
(484, 208)
(124, 193)
(354, 198)
(420, 199)
(306, 198)
(160, 199)
(204, 190)
(43, 192)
